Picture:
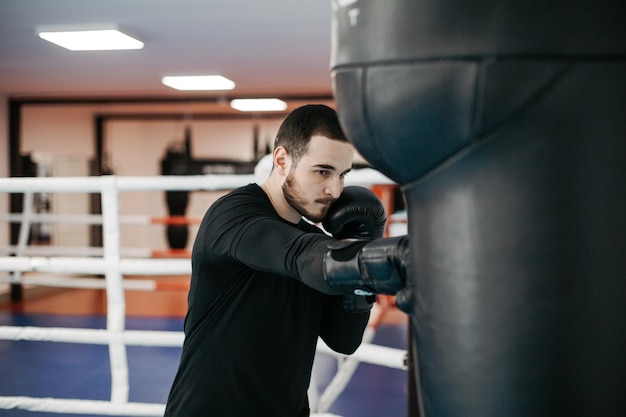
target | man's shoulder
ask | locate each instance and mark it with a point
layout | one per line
(249, 191)
(248, 194)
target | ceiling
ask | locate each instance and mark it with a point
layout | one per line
(268, 47)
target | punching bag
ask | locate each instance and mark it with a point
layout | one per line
(504, 121)
(176, 164)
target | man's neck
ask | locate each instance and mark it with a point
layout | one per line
(273, 189)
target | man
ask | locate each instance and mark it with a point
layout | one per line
(265, 284)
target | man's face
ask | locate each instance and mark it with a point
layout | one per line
(317, 180)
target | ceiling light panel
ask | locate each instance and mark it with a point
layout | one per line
(258, 104)
(198, 82)
(92, 40)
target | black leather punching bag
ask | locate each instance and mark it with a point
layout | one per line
(505, 123)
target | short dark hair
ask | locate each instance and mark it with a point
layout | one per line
(307, 121)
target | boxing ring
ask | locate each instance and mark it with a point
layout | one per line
(63, 267)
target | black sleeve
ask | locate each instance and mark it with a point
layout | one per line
(247, 230)
(343, 331)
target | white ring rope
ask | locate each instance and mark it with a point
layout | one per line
(78, 265)
(73, 251)
(367, 352)
(74, 218)
(212, 182)
(92, 336)
(114, 262)
(80, 282)
(76, 406)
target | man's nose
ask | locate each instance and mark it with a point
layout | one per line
(335, 186)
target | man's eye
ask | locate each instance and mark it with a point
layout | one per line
(323, 172)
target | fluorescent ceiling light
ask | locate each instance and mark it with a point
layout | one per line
(92, 40)
(258, 104)
(198, 82)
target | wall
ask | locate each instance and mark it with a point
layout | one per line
(55, 134)
(57, 130)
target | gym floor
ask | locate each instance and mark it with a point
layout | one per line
(80, 371)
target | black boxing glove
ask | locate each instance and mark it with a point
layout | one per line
(361, 267)
(404, 298)
(358, 213)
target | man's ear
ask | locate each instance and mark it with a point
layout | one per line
(281, 160)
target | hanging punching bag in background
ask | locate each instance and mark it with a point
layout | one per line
(505, 123)
(177, 162)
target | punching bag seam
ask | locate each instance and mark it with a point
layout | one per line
(479, 58)
(484, 138)
(478, 103)
(366, 118)
(399, 62)
(534, 98)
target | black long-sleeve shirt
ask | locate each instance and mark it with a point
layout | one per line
(257, 304)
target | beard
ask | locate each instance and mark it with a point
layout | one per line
(295, 200)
